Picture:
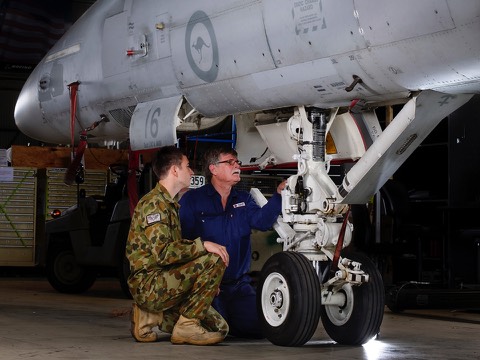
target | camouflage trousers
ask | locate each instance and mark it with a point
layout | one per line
(186, 289)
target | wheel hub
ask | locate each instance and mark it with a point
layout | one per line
(276, 299)
(340, 314)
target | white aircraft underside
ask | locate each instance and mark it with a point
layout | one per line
(300, 77)
(233, 57)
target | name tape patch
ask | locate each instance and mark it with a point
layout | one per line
(238, 205)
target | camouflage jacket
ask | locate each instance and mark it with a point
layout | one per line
(155, 240)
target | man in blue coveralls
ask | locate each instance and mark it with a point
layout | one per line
(220, 213)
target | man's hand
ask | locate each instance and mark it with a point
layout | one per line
(217, 249)
(281, 186)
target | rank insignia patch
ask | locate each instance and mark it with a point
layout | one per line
(153, 218)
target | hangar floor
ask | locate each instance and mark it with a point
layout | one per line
(36, 322)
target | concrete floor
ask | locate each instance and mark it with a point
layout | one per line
(36, 322)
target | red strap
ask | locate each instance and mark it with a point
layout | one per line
(73, 87)
(71, 172)
(341, 237)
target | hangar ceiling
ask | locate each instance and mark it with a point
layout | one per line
(29, 28)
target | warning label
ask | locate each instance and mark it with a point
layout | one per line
(308, 16)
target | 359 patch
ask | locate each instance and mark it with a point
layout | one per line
(153, 218)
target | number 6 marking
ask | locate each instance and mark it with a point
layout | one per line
(153, 123)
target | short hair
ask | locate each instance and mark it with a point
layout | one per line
(212, 156)
(165, 158)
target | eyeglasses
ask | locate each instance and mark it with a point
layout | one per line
(230, 162)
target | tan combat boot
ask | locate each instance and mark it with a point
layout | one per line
(142, 323)
(189, 331)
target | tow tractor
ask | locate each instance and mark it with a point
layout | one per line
(89, 236)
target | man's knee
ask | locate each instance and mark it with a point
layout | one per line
(208, 266)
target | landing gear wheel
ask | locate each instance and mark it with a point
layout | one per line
(64, 274)
(359, 319)
(288, 299)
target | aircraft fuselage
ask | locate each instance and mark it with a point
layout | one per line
(229, 57)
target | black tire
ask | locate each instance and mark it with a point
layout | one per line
(360, 318)
(63, 272)
(288, 299)
(123, 269)
(123, 274)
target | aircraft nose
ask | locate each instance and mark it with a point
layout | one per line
(28, 114)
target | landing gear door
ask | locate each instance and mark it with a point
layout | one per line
(154, 123)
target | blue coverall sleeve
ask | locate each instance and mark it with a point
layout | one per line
(187, 217)
(263, 218)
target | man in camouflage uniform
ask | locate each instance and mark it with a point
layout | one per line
(173, 281)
